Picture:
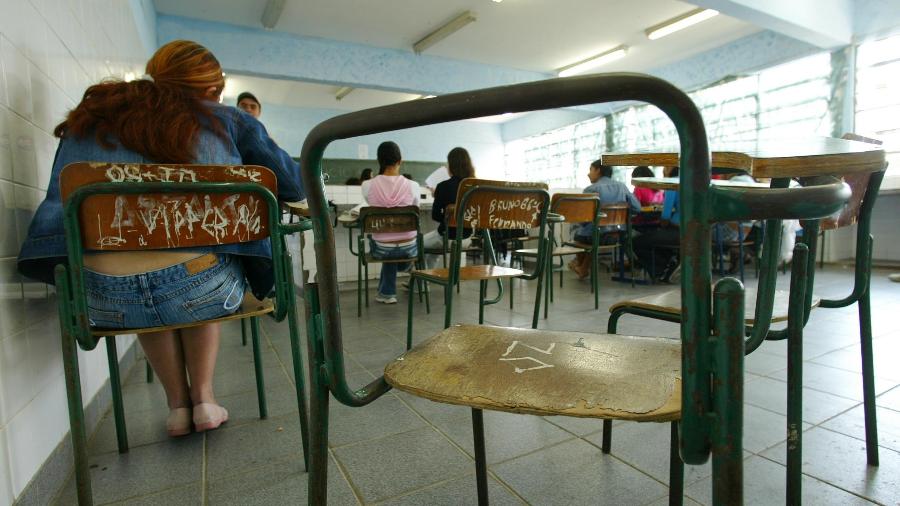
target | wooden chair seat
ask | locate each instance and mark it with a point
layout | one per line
(250, 307)
(557, 251)
(470, 273)
(670, 302)
(543, 372)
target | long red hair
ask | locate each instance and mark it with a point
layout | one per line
(159, 118)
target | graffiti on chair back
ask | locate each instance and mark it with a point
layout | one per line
(169, 220)
(503, 211)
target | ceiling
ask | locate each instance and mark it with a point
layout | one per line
(536, 35)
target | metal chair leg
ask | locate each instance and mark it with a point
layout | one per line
(243, 333)
(299, 382)
(868, 370)
(149, 372)
(607, 436)
(796, 317)
(318, 405)
(676, 469)
(480, 458)
(482, 292)
(115, 385)
(257, 367)
(76, 419)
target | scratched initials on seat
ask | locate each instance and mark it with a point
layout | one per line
(541, 364)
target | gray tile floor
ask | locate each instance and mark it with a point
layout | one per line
(406, 450)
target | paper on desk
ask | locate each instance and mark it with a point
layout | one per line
(355, 210)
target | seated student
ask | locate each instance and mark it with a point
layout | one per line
(610, 192)
(390, 189)
(657, 249)
(460, 166)
(248, 103)
(135, 122)
(365, 175)
(646, 196)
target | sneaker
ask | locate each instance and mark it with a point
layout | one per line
(675, 277)
(386, 299)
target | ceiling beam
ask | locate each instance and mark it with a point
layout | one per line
(824, 23)
(275, 54)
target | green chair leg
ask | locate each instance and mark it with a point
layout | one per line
(606, 446)
(481, 481)
(243, 333)
(299, 382)
(318, 405)
(676, 469)
(868, 370)
(76, 418)
(115, 385)
(148, 370)
(482, 293)
(796, 317)
(728, 393)
(257, 366)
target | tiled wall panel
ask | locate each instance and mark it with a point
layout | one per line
(50, 51)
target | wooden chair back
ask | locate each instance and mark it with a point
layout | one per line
(575, 207)
(153, 219)
(500, 205)
(615, 214)
(379, 220)
(859, 185)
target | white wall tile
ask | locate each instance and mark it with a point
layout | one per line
(6, 167)
(23, 156)
(17, 375)
(4, 100)
(44, 151)
(18, 81)
(24, 27)
(27, 200)
(6, 493)
(12, 313)
(35, 432)
(9, 244)
(42, 91)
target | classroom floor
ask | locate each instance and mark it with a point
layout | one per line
(405, 450)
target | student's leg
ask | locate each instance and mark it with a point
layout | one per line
(201, 346)
(163, 350)
(432, 240)
(387, 283)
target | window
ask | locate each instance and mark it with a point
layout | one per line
(559, 157)
(878, 100)
(789, 100)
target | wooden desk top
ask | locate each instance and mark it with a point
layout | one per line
(771, 158)
(296, 208)
(671, 183)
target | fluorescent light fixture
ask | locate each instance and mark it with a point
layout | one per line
(342, 92)
(679, 23)
(497, 1)
(129, 76)
(272, 13)
(594, 61)
(426, 96)
(444, 31)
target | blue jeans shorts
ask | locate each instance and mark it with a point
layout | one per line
(178, 294)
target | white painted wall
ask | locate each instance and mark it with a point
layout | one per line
(290, 125)
(50, 51)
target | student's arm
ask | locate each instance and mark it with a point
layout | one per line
(257, 148)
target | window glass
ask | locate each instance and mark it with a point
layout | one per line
(878, 99)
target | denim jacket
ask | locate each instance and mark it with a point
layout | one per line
(248, 143)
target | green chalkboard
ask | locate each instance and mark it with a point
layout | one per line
(341, 169)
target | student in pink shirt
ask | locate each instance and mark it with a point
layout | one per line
(390, 189)
(646, 196)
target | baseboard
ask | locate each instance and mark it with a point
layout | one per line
(58, 467)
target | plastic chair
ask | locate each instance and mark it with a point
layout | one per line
(94, 210)
(373, 220)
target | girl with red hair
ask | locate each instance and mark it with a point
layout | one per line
(171, 115)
